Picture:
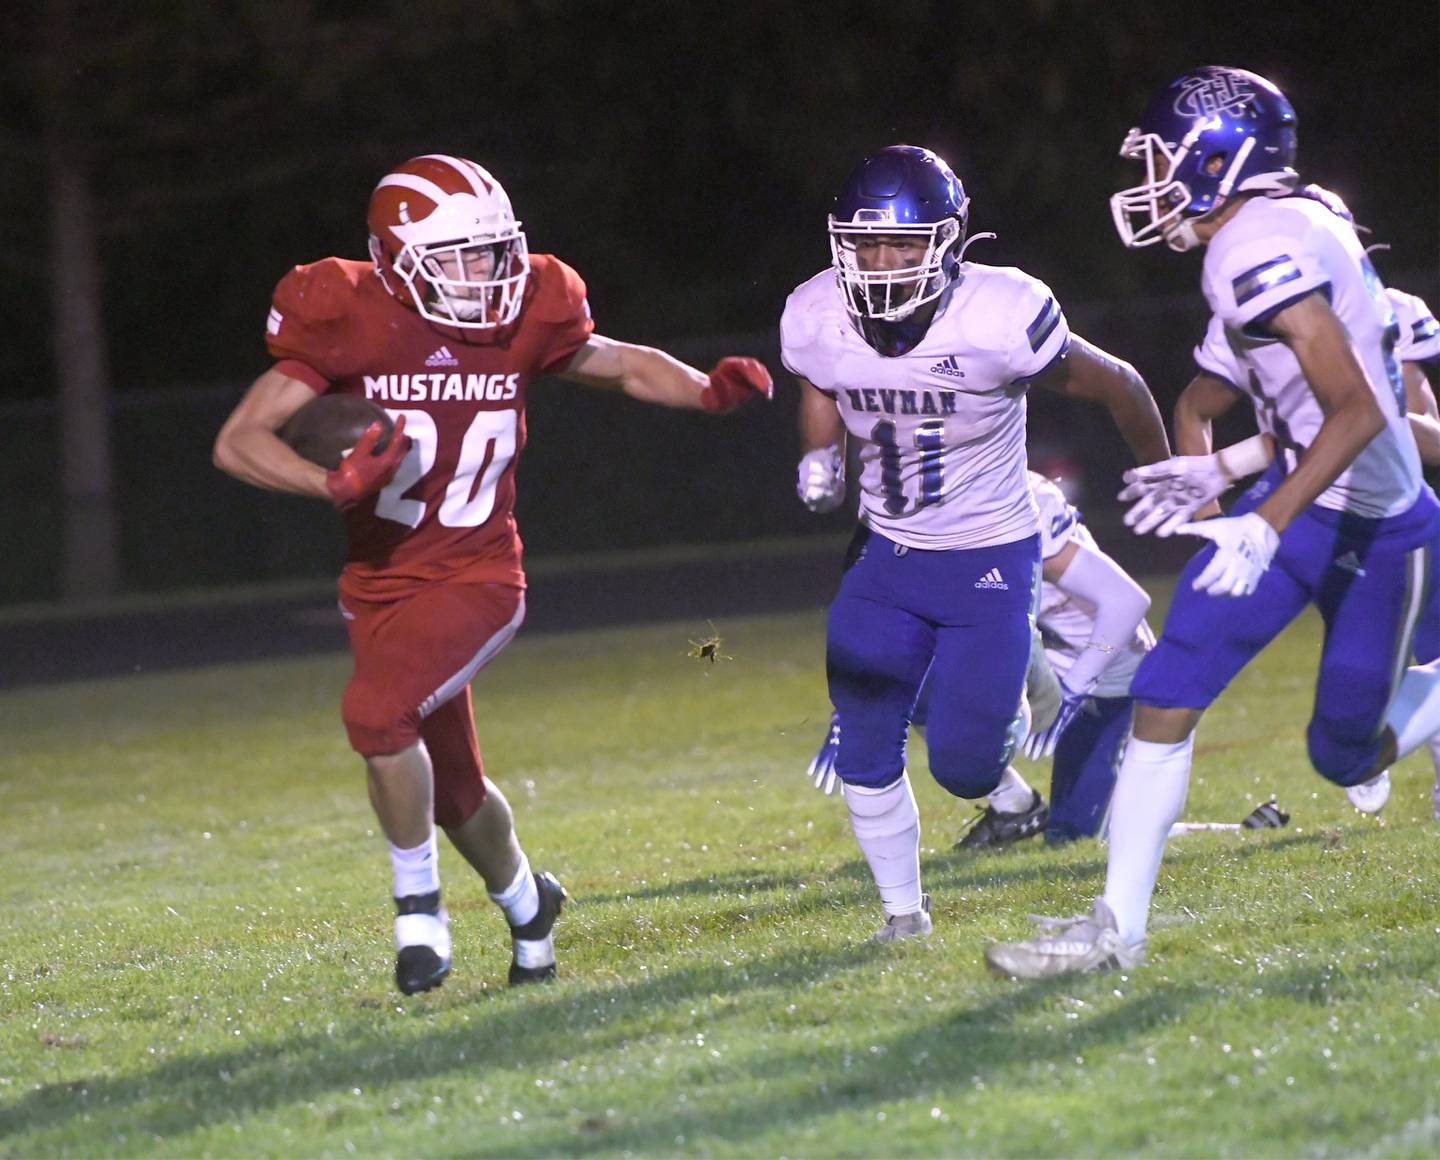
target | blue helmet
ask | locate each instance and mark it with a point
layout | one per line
(1209, 133)
(903, 191)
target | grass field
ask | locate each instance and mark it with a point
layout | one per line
(197, 950)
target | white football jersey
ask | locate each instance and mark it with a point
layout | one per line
(1419, 331)
(1067, 622)
(941, 429)
(1270, 254)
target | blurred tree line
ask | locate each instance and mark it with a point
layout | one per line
(167, 161)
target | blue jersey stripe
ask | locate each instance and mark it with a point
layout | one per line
(1424, 328)
(1263, 277)
(1044, 325)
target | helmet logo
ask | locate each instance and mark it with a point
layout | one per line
(404, 213)
(1212, 93)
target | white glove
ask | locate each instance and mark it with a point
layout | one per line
(820, 480)
(1245, 545)
(822, 765)
(1042, 742)
(1170, 492)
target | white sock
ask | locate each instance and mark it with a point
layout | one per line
(417, 870)
(521, 899)
(887, 826)
(1414, 714)
(1013, 795)
(1149, 795)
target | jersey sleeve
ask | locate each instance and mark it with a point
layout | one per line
(1419, 339)
(1215, 356)
(1058, 519)
(1256, 278)
(307, 329)
(563, 306)
(1037, 330)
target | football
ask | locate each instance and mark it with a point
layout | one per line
(329, 425)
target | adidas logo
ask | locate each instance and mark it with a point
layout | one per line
(948, 366)
(1349, 562)
(442, 358)
(992, 579)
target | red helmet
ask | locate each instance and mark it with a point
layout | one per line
(446, 243)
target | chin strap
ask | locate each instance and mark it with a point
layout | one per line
(1183, 236)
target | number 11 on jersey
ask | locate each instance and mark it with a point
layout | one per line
(930, 444)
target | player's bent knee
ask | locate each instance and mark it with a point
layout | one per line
(874, 781)
(375, 728)
(1342, 752)
(967, 772)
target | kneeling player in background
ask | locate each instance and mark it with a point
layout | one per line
(1093, 634)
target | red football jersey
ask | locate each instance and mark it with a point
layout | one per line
(449, 512)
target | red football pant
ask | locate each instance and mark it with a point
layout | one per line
(414, 660)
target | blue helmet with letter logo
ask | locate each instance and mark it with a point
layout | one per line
(1208, 134)
(901, 192)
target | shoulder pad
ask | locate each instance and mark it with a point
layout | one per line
(809, 310)
(320, 291)
(311, 312)
(559, 294)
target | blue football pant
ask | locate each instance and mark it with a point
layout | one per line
(902, 614)
(1373, 584)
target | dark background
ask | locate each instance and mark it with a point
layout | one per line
(680, 155)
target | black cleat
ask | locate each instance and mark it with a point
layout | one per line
(419, 968)
(534, 943)
(422, 934)
(994, 829)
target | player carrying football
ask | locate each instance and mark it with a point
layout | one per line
(446, 327)
(925, 360)
(1341, 519)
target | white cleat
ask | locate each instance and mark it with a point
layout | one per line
(1369, 797)
(1067, 946)
(898, 926)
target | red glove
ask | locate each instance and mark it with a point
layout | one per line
(365, 470)
(732, 381)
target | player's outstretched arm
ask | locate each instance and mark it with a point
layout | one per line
(1186, 486)
(652, 376)
(1087, 372)
(1322, 346)
(248, 448)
